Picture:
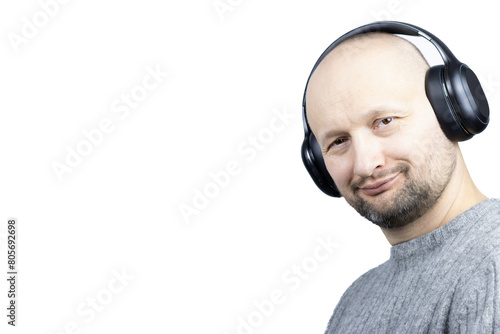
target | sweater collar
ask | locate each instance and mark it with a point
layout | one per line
(424, 244)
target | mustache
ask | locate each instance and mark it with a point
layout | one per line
(400, 168)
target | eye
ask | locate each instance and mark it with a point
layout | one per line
(381, 123)
(336, 145)
(386, 120)
(338, 142)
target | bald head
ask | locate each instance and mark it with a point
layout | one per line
(376, 42)
(376, 65)
(398, 52)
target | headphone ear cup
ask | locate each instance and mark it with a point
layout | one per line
(438, 96)
(315, 165)
(458, 100)
(468, 97)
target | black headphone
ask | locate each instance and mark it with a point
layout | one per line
(452, 89)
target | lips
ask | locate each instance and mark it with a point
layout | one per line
(378, 187)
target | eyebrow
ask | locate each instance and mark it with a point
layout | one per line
(373, 113)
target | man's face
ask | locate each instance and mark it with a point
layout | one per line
(380, 139)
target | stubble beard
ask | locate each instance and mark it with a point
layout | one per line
(416, 196)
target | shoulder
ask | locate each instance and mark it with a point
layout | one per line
(363, 286)
(476, 302)
(352, 305)
(370, 276)
(479, 242)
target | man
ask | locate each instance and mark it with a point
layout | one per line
(388, 156)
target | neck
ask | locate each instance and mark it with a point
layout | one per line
(460, 194)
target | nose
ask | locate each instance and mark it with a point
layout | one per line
(368, 155)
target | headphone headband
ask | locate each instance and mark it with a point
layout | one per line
(391, 27)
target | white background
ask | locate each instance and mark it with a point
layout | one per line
(119, 209)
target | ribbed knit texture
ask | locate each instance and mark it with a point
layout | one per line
(446, 281)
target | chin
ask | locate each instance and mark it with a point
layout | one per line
(393, 209)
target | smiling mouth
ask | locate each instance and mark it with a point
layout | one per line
(379, 187)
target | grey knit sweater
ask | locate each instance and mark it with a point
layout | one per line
(447, 281)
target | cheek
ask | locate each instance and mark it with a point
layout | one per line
(421, 146)
(340, 170)
(414, 141)
(407, 149)
(424, 134)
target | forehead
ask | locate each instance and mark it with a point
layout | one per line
(355, 78)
